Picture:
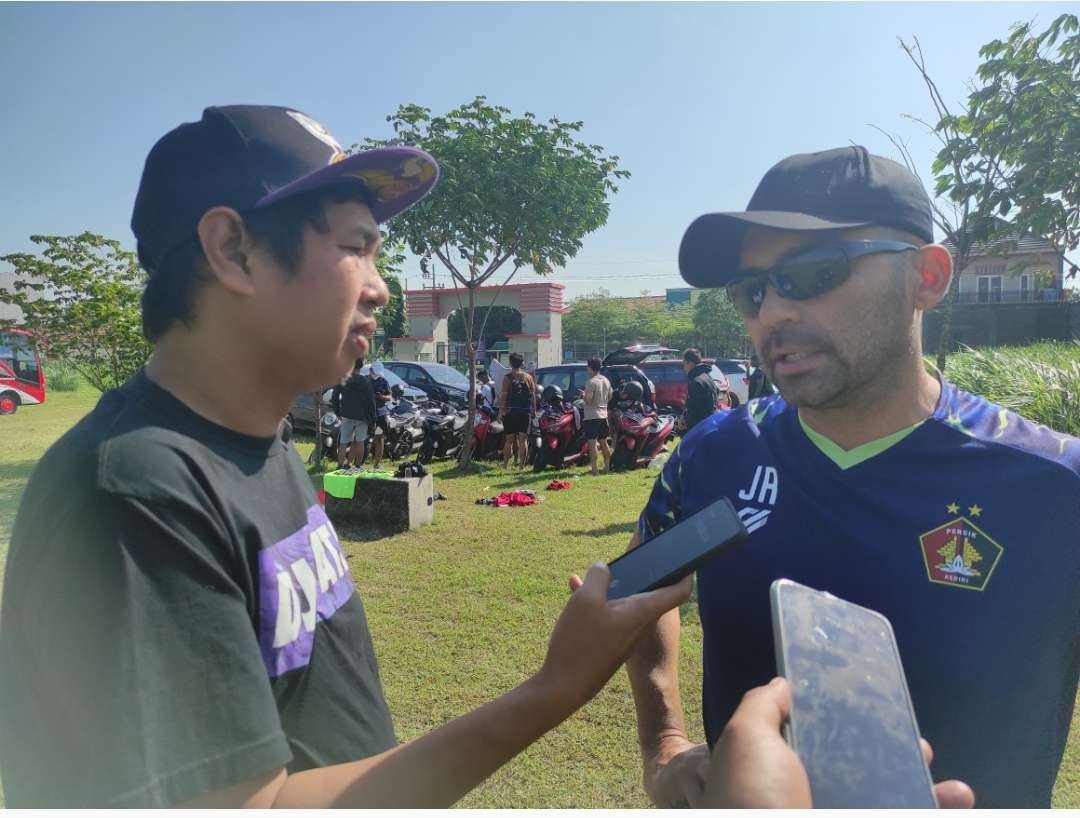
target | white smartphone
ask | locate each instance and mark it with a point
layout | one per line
(852, 723)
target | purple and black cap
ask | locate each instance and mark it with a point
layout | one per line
(828, 190)
(250, 156)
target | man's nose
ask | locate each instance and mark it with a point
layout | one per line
(380, 293)
(775, 309)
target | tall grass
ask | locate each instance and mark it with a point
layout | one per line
(1040, 381)
(60, 376)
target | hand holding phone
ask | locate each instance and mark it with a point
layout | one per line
(852, 722)
(678, 551)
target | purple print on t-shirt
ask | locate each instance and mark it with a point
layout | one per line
(303, 579)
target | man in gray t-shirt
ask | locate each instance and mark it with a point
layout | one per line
(597, 395)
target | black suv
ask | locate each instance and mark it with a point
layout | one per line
(618, 367)
(440, 382)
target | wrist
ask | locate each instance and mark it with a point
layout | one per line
(552, 697)
(662, 748)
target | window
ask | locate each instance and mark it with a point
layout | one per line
(1027, 281)
(731, 367)
(17, 354)
(560, 378)
(989, 289)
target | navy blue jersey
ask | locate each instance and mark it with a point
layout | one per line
(962, 530)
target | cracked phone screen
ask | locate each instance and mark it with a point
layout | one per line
(852, 723)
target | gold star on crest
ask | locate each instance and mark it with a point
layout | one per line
(974, 510)
(952, 508)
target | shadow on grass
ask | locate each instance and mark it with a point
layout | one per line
(362, 533)
(482, 468)
(17, 470)
(613, 528)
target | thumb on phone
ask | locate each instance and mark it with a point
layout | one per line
(651, 605)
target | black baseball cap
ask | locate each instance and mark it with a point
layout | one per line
(250, 156)
(828, 190)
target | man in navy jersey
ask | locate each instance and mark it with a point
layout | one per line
(874, 479)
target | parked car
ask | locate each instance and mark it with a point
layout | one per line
(440, 382)
(738, 374)
(617, 367)
(409, 392)
(302, 412)
(672, 386)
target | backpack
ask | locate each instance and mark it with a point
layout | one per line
(520, 394)
(411, 469)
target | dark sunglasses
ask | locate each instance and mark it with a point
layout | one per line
(806, 274)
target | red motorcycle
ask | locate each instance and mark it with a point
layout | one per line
(562, 432)
(640, 434)
(487, 434)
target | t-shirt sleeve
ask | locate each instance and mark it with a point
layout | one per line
(664, 507)
(145, 658)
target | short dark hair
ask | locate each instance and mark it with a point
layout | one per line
(170, 291)
(483, 375)
(517, 360)
(594, 363)
(692, 356)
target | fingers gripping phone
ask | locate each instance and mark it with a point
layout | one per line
(678, 551)
(852, 723)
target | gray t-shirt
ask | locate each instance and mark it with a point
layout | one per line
(597, 395)
(178, 616)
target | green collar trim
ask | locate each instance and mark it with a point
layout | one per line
(846, 458)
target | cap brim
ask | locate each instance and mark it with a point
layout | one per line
(397, 178)
(709, 252)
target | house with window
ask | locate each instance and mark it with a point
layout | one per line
(1022, 269)
(1010, 293)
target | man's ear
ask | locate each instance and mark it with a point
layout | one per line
(226, 245)
(935, 266)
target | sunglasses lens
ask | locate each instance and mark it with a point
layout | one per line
(747, 296)
(803, 281)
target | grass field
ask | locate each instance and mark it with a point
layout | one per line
(461, 610)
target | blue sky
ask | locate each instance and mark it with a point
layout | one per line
(698, 100)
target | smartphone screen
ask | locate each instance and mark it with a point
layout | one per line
(852, 723)
(671, 555)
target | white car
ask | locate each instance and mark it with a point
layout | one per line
(738, 375)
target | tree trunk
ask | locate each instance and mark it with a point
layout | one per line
(465, 456)
(945, 338)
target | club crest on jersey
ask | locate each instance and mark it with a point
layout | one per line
(961, 554)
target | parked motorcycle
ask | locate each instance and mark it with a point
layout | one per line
(330, 431)
(487, 435)
(640, 434)
(444, 432)
(562, 432)
(405, 430)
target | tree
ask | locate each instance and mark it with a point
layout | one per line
(489, 324)
(1007, 163)
(1019, 136)
(515, 192)
(80, 296)
(600, 322)
(393, 318)
(669, 325)
(720, 328)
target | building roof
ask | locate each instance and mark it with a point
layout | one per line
(1028, 243)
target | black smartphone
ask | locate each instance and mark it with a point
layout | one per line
(682, 549)
(852, 723)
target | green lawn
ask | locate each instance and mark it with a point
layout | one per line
(461, 610)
